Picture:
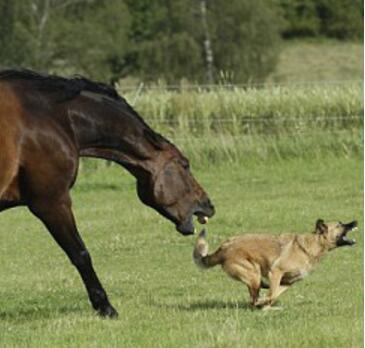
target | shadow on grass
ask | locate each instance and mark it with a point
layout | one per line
(205, 305)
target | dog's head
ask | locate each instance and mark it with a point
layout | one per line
(335, 233)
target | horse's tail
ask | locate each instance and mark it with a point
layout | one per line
(200, 254)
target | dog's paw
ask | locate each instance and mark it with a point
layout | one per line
(271, 308)
(261, 302)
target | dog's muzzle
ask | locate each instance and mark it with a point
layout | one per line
(343, 239)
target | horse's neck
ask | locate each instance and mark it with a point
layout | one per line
(111, 133)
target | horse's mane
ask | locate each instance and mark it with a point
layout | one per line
(69, 88)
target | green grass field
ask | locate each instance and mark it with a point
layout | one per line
(319, 60)
(273, 160)
(162, 298)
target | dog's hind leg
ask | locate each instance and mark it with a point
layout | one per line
(264, 285)
(249, 274)
(275, 289)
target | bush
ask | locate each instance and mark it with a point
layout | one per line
(245, 39)
(342, 19)
(300, 18)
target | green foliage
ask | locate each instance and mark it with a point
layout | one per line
(301, 18)
(343, 19)
(170, 57)
(6, 28)
(14, 48)
(63, 36)
(245, 38)
(92, 38)
(151, 40)
(169, 40)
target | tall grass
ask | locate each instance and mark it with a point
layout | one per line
(273, 109)
(236, 123)
(225, 148)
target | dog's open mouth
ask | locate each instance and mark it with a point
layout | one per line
(343, 239)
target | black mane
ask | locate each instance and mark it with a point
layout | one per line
(70, 87)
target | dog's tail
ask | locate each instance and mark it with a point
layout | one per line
(200, 254)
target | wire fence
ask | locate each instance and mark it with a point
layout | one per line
(143, 87)
(257, 125)
(253, 119)
(285, 111)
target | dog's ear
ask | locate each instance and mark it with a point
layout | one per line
(321, 227)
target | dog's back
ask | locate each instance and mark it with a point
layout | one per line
(262, 250)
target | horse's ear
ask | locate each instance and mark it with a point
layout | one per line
(155, 139)
(321, 227)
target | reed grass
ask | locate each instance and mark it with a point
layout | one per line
(229, 124)
(270, 109)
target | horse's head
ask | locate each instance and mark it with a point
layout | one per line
(172, 190)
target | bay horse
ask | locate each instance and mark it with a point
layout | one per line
(48, 122)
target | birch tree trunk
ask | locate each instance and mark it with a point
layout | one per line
(209, 60)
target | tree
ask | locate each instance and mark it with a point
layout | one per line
(169, 39)
(245, 38)
(64, 36)
(6, 29)
(171, 44)
(343, 19)
(91, 37)
(301, 18)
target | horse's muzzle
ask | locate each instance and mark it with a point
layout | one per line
(203, 210)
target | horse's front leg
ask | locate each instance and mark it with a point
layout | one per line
(60, 222)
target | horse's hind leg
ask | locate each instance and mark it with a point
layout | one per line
(59, 220)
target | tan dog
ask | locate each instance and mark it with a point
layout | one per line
(282, 259)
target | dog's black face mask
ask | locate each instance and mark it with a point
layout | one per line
(342, 239)
(335, 233)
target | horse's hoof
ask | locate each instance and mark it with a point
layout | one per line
(108, 312)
